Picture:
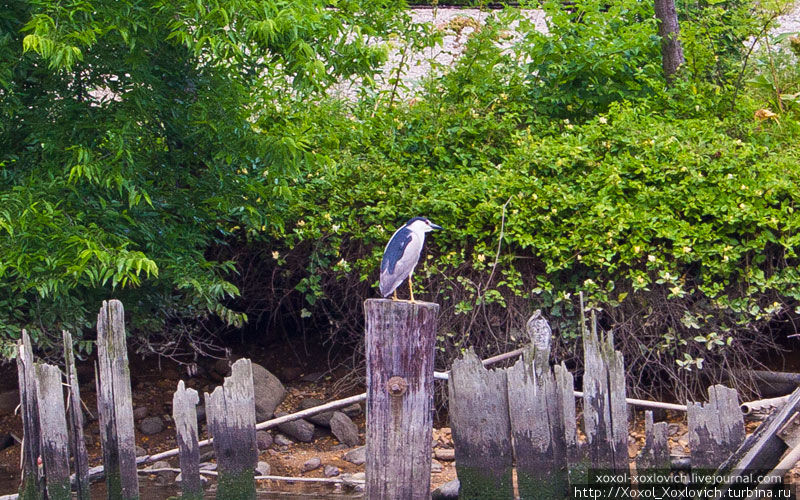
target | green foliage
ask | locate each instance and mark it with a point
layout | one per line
(138, 136)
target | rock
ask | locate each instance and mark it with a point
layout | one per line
(344, 429)
(447, 491)
(301, 430)
(139, 413)
(312, 464)
(330, 471)
(262, 468)
(269, 392)
(352, 410)
(356, 456)
(673, 429)
(140, 452)
(8, 401)
(165, 477)
(446, 454)
(203, 478)
(322, 419)
(264, 440)
(436, 467)
(312, 377)
(151, 425)
(339, 447)
(282, 440)
(291, 373)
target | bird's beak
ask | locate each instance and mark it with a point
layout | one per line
(436, 227)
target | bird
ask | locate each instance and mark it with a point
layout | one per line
(402, 255)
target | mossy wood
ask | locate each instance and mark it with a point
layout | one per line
(537, 429)
(32, 487)
(77, 443)
(400, 344)
(231, 417)
(184, 414)
(479, 417)
(577, 464)
(654, 457)
(716, 428)
(605, 411)
(114, 404)
(54, 438)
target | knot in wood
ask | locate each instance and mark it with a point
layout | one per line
(397, 386)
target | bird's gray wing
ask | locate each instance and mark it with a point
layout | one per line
(404, 263)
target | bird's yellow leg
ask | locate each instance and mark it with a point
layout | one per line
(394, 295)
(411, 290)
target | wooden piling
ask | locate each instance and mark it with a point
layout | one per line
(537, 429)
(655, 454)
(184, 413)
(577, 463)
(479, 418)
(32, 487)
(114, 404)
(53, 422)
(231, 417)
(400, 344)
(605, 412)
(716, 428)
(75, 418)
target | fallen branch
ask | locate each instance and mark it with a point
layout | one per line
(343, 480)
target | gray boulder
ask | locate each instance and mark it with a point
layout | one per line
(269, 392)
(322, 419)
(312, 464)
(264, 440)
(331, 471)
(300, 429)
(263, 468)
(344, 429)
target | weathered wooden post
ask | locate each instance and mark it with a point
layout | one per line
(605, 411)
(537, 428)
(716, 429)
(231, 417)
(114, 403)
(655, 454)
(77, 442)
(400, 344)
(184, 413)
(479, 418)
(53, 422)
(32, 487)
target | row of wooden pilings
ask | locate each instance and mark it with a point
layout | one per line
(519, 420)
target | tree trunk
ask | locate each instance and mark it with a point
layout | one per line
(669, 30)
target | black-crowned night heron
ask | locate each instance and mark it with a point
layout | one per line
(402, 254)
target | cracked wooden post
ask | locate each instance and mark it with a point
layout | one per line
(400, 344)
(114, 403)
(231, 418)
(479, 417)
(32, 487)
(77, 441)
(184, 414)
(53, 421)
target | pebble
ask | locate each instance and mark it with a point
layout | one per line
(330, 471)
(263, 468)
(139, 413)
(436, 467)
(312, 464)
(282, 440)
(140, 452)
(356, 456)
